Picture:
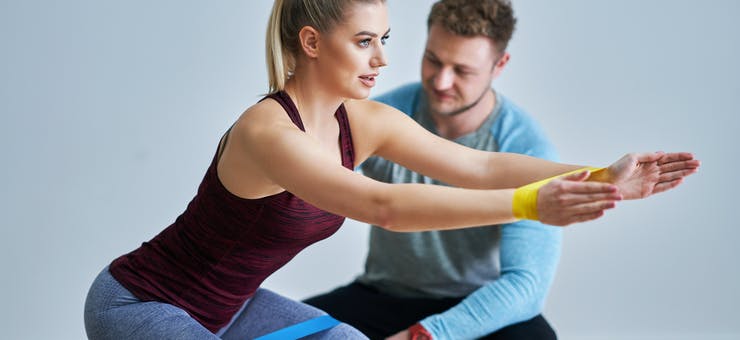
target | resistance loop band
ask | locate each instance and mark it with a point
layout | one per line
(302, 329)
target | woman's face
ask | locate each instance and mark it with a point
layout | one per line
(351, 55)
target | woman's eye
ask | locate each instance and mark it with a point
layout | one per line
(384, 39)
(364, 43)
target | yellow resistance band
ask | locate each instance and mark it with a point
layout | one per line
(524, 203)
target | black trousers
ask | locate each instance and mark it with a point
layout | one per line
(379, 315)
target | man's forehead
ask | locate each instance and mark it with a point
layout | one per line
(439, 34)
(468, 51)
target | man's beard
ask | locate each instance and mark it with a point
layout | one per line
(465, 107)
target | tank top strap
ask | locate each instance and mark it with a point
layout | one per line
(284, 100)
(345, 138)
(345, 135)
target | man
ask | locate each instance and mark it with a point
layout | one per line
(486, 282)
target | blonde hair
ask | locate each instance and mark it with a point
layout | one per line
(288, 17)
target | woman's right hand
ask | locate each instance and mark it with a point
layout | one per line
(570, 199)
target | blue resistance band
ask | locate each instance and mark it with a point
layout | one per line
(302, 329)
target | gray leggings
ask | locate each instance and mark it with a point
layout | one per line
(112, 312)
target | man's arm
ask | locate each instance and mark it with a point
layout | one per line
(529, 256)
(529, 251)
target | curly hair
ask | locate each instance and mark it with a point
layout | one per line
(490, 18)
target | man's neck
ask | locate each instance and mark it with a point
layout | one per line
(463, 123)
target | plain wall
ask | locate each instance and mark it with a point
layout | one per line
(111, 112)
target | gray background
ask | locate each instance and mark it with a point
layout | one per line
(111, 112)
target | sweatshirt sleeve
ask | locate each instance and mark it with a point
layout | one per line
(529, 255)
(530, 251)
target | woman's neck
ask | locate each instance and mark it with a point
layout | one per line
(315, 104)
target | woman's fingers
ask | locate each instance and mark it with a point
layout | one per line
(563, 202)
(575, 199)
(592, 207)
(587, 217)
(576, 213)
(667, 185)
(674, 157)
(674, 175)
(679, 165)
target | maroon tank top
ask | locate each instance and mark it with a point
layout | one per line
(217, 253)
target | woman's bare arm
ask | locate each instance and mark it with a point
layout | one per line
(294, 161)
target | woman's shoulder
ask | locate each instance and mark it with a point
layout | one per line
(262, 117)
(265, 106)
(367, 107)
(268, 109)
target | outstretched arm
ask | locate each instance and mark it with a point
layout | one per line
(297, 162)
(389, 133)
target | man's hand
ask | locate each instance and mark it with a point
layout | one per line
(415, 332)
(402, 335)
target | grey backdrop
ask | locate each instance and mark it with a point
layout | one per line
(111, 112)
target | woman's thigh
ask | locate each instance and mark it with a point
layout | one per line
(112, 312)
(267, 312)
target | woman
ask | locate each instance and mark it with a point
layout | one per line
(282, 179)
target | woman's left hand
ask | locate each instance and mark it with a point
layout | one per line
(639, 175)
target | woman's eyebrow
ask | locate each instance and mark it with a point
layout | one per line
(371, 33)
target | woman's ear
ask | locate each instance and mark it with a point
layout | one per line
(309, 38)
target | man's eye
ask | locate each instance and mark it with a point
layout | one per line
(463, 73)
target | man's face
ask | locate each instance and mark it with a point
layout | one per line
(456, 71)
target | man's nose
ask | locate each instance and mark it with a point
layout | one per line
(443, 79)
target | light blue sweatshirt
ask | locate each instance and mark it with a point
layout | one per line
(503, 271)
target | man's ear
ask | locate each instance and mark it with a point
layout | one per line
(309, 38)
(500, 64)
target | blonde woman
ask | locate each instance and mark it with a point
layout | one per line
(282, 178)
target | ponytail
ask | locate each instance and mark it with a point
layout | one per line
(278, 62)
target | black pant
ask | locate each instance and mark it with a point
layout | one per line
(379, 315)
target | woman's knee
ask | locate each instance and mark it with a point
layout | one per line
(286, 312)
(96, 302)
(266, 303)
